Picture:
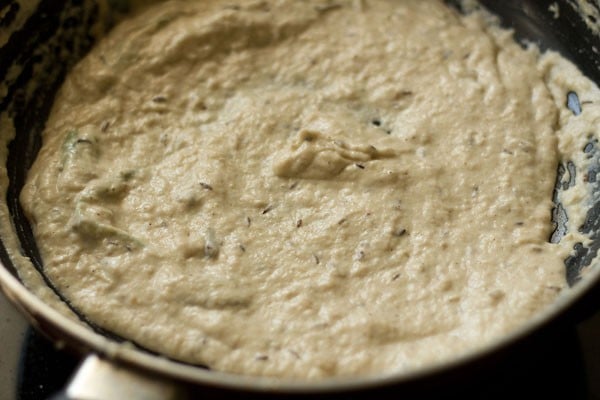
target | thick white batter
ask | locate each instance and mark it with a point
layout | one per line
(307, 189)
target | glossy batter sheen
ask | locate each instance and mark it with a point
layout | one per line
(305, 188)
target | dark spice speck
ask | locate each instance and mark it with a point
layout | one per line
(400, 232)
(159, 99)
(206, 186)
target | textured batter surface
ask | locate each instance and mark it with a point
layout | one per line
(306, 189)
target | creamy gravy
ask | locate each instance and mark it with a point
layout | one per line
(308, 189)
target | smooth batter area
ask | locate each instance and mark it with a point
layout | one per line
(305, 189)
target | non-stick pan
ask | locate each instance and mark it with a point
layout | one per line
(41, 39)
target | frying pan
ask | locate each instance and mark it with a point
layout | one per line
(42, 39)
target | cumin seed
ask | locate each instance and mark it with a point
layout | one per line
(206, 186)
(299, 223)
(327, 7)
(317, 261)
(294, 353)
(159, 99)
(211, 245)
(400, 232)
(266, 210)
(360, 166)
(83, 141)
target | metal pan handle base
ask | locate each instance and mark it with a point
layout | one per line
(99, 379)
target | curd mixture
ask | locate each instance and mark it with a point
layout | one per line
(308, 188)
